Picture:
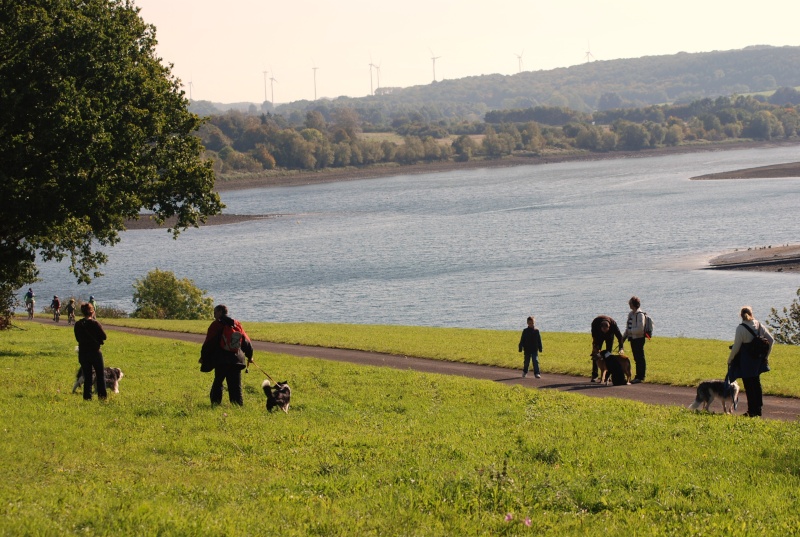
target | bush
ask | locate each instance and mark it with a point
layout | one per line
(786, 327)
(160, 295)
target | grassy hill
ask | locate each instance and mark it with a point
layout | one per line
(369, 451)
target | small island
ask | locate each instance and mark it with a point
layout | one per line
(784, 258)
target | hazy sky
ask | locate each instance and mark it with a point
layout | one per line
(224, 47)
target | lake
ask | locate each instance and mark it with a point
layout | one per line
(485, 248)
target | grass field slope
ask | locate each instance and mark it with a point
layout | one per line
(368, 451)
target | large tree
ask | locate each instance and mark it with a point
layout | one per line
(93, 129)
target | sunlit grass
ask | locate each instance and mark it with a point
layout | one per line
(675, 361)
(366, 451)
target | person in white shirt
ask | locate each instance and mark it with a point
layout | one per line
(634, 332)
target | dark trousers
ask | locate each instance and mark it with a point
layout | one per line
(94, 362)
(637, 347)
(232, 374)
(755, 400)
(531, 355)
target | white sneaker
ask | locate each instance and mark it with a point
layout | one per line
(538, 376)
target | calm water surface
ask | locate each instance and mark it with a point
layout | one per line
(486, 248)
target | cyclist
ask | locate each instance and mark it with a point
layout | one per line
(30, 302)
(56, 305)
(71, 311)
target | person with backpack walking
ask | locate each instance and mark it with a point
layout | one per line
(531, 343)
(753, 344)
(229, 349)
(90, 336)
(635, 332)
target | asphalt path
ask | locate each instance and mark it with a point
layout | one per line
(776, 408)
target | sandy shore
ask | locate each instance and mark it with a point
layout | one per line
(784, 258)
(792, 169)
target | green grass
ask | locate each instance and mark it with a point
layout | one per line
(675, 361)
(367, 451)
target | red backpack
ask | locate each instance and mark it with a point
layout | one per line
(232, 337)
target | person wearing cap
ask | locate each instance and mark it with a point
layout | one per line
(93, 302)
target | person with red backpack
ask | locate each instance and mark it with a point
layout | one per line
(227, 350)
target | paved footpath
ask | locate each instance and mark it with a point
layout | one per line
(777, 408)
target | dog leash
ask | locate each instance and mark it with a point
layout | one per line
(251, 361)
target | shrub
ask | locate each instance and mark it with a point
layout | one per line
(786, 327)
(161, 295)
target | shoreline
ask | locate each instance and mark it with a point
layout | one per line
(330, 175)
(784, 258)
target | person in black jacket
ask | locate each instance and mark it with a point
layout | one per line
(531, 343)
(604, 330)
(227, 364)
(90, 336)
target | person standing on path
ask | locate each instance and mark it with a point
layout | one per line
(750, 366)
(91, 336)
(531, 343)
(604, 330)
(634, 331)
(228, 363)
(93, 302)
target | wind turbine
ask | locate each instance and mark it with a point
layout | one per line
(272, 81)
(265, 86)
(519, 59)
(190, 89)
(371, 65)
(315, 81)
(589, 56)
(434, 58)
(378, 73)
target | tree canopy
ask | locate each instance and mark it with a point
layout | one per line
(93, 129)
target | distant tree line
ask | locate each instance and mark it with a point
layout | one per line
(331, 138)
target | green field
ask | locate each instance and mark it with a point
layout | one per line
(376, 451)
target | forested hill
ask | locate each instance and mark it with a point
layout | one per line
(596, 85)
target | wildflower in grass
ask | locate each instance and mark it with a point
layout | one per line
(528, 521)
(509, 517)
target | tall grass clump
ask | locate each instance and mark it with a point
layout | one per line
(366, 451)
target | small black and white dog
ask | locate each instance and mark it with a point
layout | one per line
(112, 375)
(278, 396)
(709, 390)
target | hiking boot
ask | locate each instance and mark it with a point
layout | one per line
(538, 376)
(637, 381)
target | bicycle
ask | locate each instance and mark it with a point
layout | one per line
(30, 310)
(71, 318)
(56, 314)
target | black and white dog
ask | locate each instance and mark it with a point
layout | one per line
(112, 375)
(709, 390)
(277, 396)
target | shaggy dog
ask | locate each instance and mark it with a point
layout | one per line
(709, 390)
(605, 376)
(278, 396)
(112, 375)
